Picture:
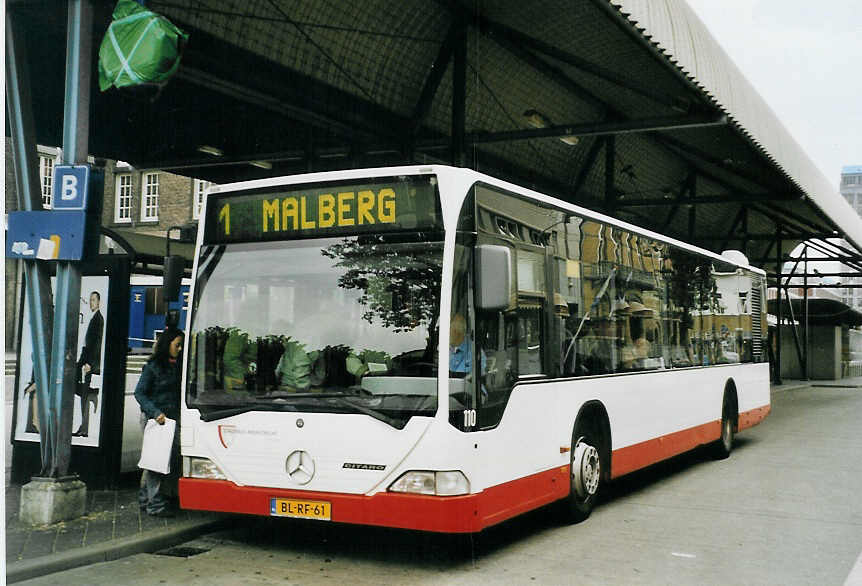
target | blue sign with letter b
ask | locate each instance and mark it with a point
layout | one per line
(70, 187)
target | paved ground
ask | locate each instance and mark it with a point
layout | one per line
(114, 527)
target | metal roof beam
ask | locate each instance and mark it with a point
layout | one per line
(846, 286)
(284, 107)
(689, 152)
(850, 260)
(551, 72)
(814, 274)
(801, 223)
(435, 77)
(211, 63)
(703, 199)
(554, 73)
(603, 128)
(801, 219)
(757, 237)
(837, 246)
(493, 30)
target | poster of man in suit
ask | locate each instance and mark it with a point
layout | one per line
(89, 365)
(88, 379)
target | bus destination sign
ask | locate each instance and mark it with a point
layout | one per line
(405, 203)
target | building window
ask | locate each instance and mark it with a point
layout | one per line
(150, 198)
(46, 177)
(123, 207)
(200, 189)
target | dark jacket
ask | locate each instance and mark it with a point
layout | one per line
(158, 390)
(91, 353)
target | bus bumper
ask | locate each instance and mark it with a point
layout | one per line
(450, 514)
(453, 514)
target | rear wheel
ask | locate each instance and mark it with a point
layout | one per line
(586, 474)
(724, 445)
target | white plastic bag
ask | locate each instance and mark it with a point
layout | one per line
(156, 448)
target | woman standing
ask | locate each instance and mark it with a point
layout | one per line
(158, 393)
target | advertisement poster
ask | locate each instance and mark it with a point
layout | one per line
(89, 358)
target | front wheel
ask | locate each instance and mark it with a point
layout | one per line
(585, 477)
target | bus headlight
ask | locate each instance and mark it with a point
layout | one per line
(201, 468)
(443, 483)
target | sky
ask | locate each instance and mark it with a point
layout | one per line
(804, 57)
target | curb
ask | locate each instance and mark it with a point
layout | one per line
(787, 387)
(109, 551)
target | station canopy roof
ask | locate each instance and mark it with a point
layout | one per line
(627, 106)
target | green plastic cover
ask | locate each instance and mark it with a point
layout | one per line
(140, 47)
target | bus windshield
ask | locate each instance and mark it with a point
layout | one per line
(340, 325)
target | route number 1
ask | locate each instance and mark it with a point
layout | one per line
(224, 216)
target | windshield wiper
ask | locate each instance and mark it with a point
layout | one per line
(282, 405)
(351, 391)
(391, 421)
(257, 406)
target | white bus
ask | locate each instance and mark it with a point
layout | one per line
(580, 348)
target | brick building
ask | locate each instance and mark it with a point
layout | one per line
(143, 200)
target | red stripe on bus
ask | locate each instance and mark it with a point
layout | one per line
(509, 499)
(641, 455)
(637, 456)
(753, 417)
(453, 514)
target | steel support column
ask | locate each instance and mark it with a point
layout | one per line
(687, 190)
(584, 171)
(794, 328)
(459, 97)
(37, 280)
(76, 130)
(805, 314)
(610, 175)
(777, 373)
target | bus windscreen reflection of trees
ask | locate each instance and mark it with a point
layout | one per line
(382, 291)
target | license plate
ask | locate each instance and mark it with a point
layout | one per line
(320, 510)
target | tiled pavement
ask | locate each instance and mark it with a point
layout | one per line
(112, 527)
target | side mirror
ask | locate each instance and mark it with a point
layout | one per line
(493, 276)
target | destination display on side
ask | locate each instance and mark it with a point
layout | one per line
(406, 203)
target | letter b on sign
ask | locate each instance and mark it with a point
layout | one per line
(69, 188)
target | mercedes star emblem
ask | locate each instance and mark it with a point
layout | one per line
(300, 467)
